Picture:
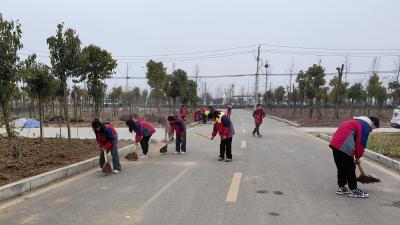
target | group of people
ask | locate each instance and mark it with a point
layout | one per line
(347, 144)
(107, 137)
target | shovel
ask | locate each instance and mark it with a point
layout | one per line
(366, 179)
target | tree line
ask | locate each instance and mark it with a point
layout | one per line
(29, 81)
(314, 92)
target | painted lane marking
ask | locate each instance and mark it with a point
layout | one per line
(234, 188)
(243, 145)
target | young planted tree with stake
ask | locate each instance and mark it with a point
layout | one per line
(40, 84)
(96, 66)
(10, 43)
(156, 77)
(65, 48)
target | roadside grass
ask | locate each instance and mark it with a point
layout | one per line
(387, 144)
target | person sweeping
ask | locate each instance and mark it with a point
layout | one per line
(107, 139)
(178, 125)
(224, 127)
(143, 131)
(258, 115)
(168, 133)
(348, 144)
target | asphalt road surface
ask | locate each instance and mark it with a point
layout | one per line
(284, 177)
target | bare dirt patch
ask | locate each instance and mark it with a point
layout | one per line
(327, 118)
(26, 157)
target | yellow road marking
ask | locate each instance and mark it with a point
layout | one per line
(243, 145)
(234, 188)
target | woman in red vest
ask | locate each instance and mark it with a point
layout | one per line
(107, 139)
(258, 115)
(143, 131)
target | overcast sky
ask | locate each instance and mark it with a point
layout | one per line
(136, 30)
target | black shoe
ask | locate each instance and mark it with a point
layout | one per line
(220, 159)
(228, 160)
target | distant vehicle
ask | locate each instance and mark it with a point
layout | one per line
(395, 122)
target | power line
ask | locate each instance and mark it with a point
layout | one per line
(354, 55)
(332, 49)
(185, 53)
(252, 75)
(188, 58)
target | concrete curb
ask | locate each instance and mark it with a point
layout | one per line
(284, 121)
(377, 157)
(28, 184)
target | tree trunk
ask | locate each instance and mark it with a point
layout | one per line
(352, 108)
(40, 105)
(96, 109)
(6, 116)
(65, 106)
(311, 109)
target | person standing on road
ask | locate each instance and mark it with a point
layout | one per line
(178, 125)
(183, 112)
(258, 115)
(229, 110)
(143, 131)
(348, 144)
(107, 138)
(224, 127)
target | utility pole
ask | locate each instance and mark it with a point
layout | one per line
(339, 82)
(204, 94)
(256, 82)
(196, 71)
(127, 77)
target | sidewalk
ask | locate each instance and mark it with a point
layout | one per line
(81, 132)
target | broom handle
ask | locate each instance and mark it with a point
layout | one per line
(361, 170)
(201, 134)
(169, 140)
(105, 156)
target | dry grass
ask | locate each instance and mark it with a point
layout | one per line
(387, 144)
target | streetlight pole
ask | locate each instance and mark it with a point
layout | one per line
(266, 76)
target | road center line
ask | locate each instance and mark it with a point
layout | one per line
(243, 145)
(234, 188)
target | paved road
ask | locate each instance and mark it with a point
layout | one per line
(285, 177)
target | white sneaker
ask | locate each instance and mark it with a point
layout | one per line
(144, 156)
(176, 152)
(116, 171)
(182, 153)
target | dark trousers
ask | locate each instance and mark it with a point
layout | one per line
(180, 144)
(225, 148)
(257, 129)
(144, 143)
(114, 154)
(346, 169)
